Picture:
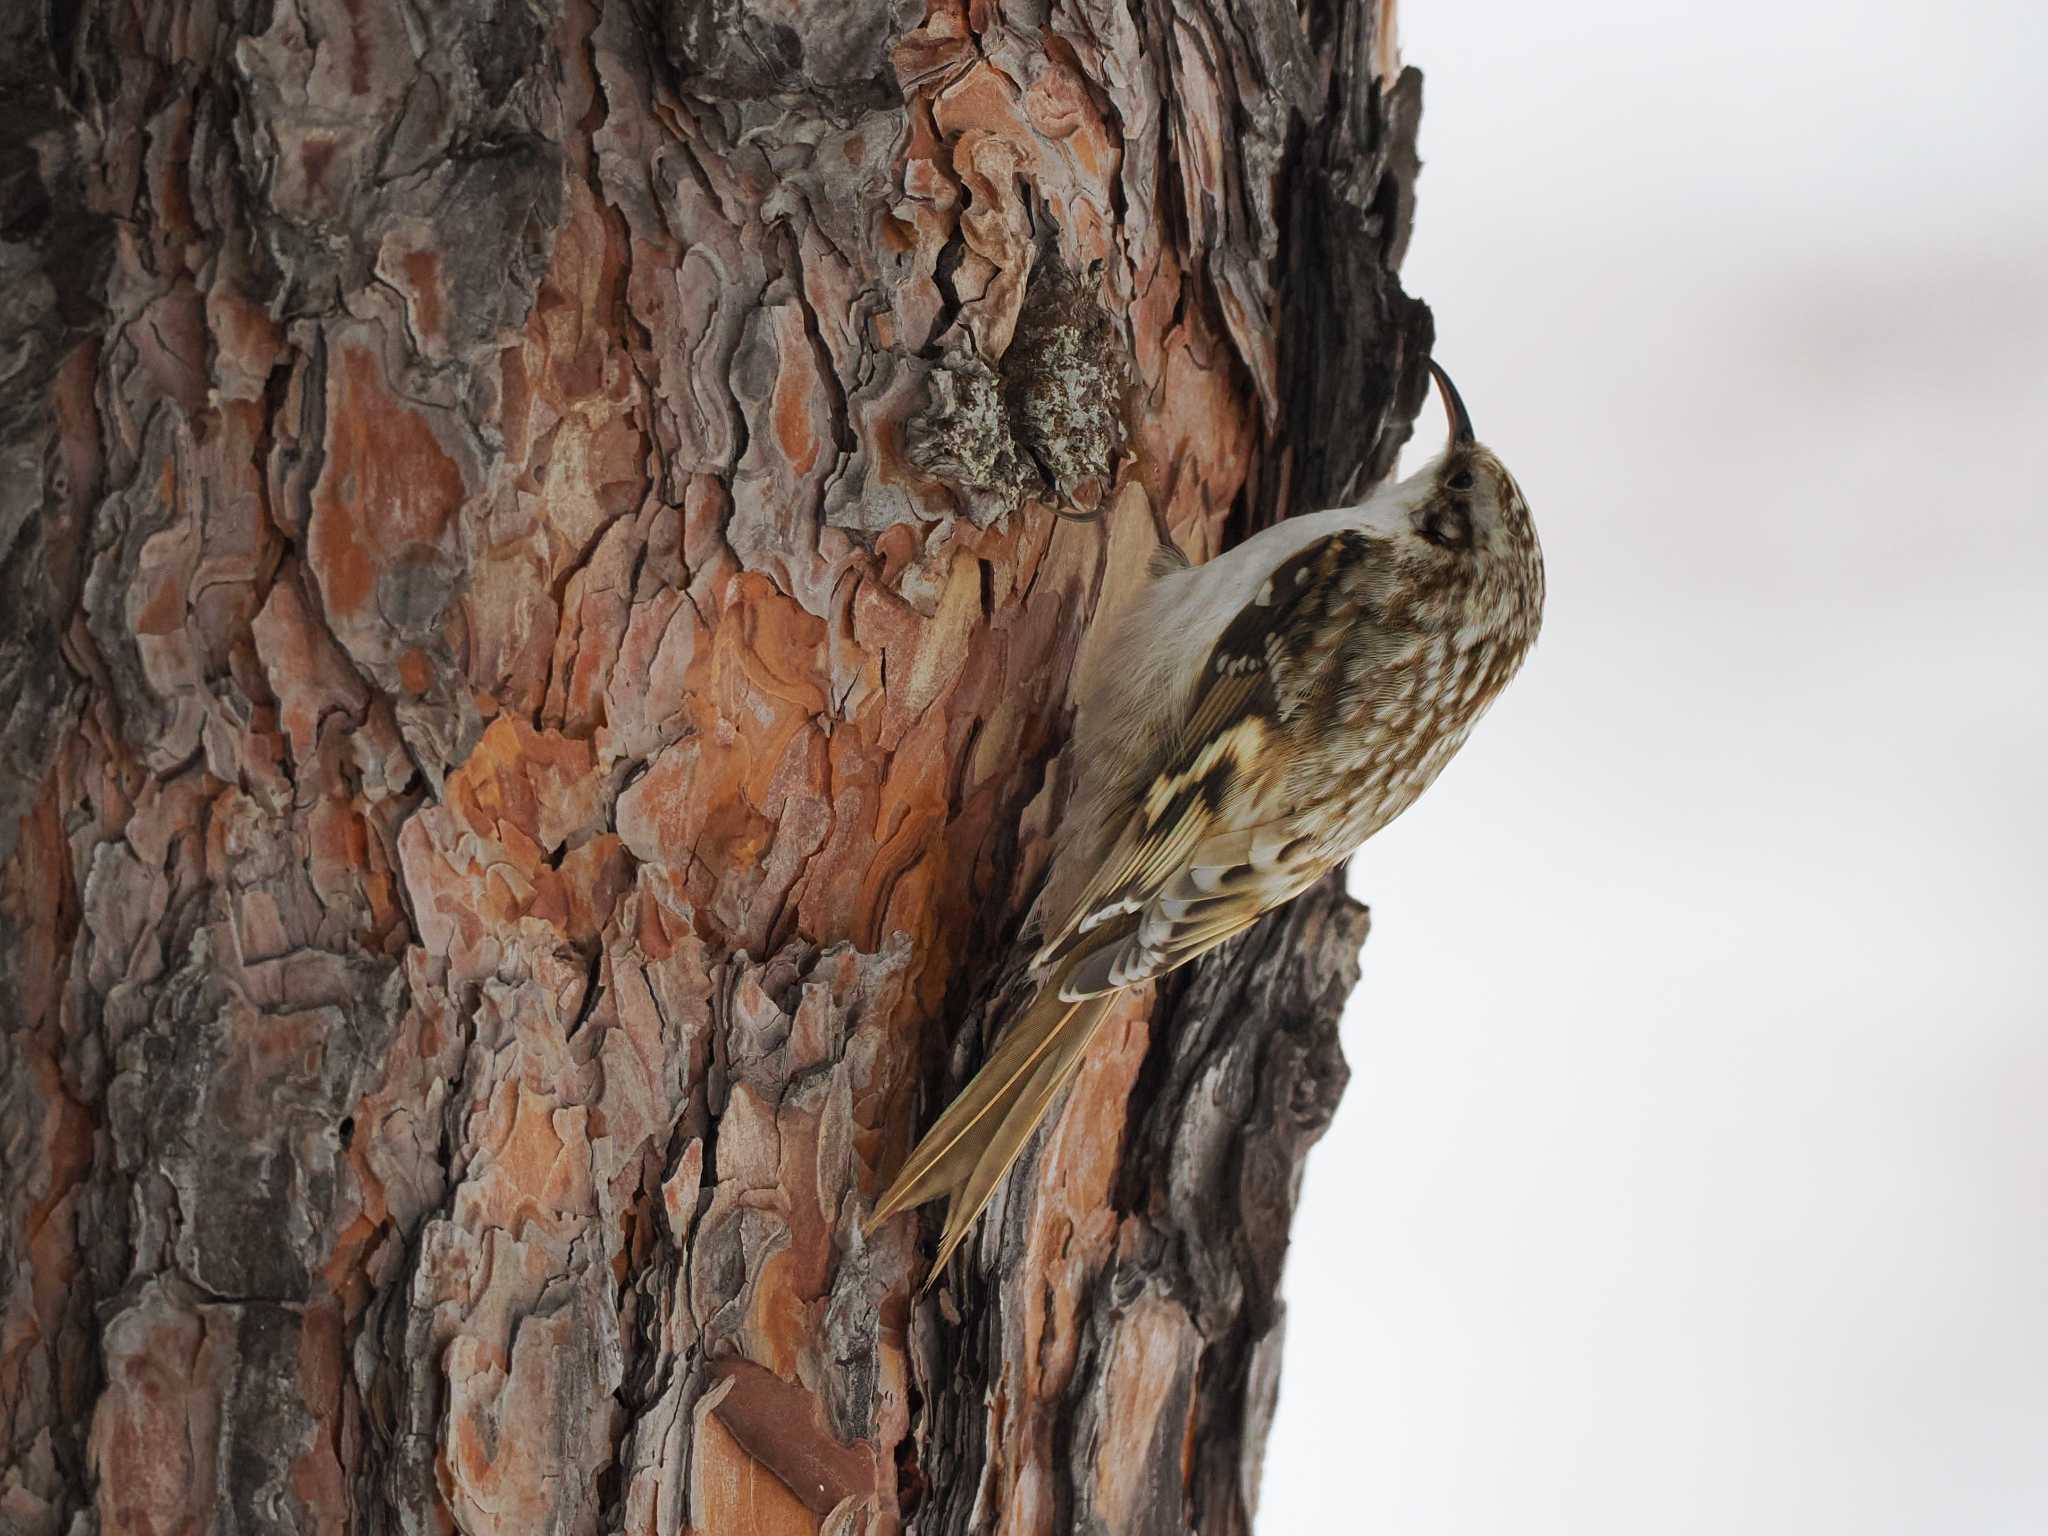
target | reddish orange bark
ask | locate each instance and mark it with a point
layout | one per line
(535, 659)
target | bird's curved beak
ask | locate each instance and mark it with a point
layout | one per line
(1454, 407)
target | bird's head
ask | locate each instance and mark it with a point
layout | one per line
(1463, 536)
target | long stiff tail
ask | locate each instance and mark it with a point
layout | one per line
(983, 1131)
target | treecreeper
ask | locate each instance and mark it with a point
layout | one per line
(1246, 725)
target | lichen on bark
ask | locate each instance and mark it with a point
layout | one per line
(1044, 425)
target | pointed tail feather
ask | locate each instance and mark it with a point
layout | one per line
(942, 1161)
(1012, 1123)
(982, 1131)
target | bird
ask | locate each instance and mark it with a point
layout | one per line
(1246, 725)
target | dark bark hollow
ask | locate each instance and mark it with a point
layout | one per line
(533, 659)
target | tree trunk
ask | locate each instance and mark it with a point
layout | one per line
(533, 660)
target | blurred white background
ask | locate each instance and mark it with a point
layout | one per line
(1691, 1177)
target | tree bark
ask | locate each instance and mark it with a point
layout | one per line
(533, 660)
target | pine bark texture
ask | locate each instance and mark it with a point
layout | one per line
(533, 660)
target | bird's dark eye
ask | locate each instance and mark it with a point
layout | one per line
(1461, 481)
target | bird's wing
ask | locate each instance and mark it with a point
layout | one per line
(1211, 846)
(1213, 841)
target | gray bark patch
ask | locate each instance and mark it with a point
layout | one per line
(1045, 424)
